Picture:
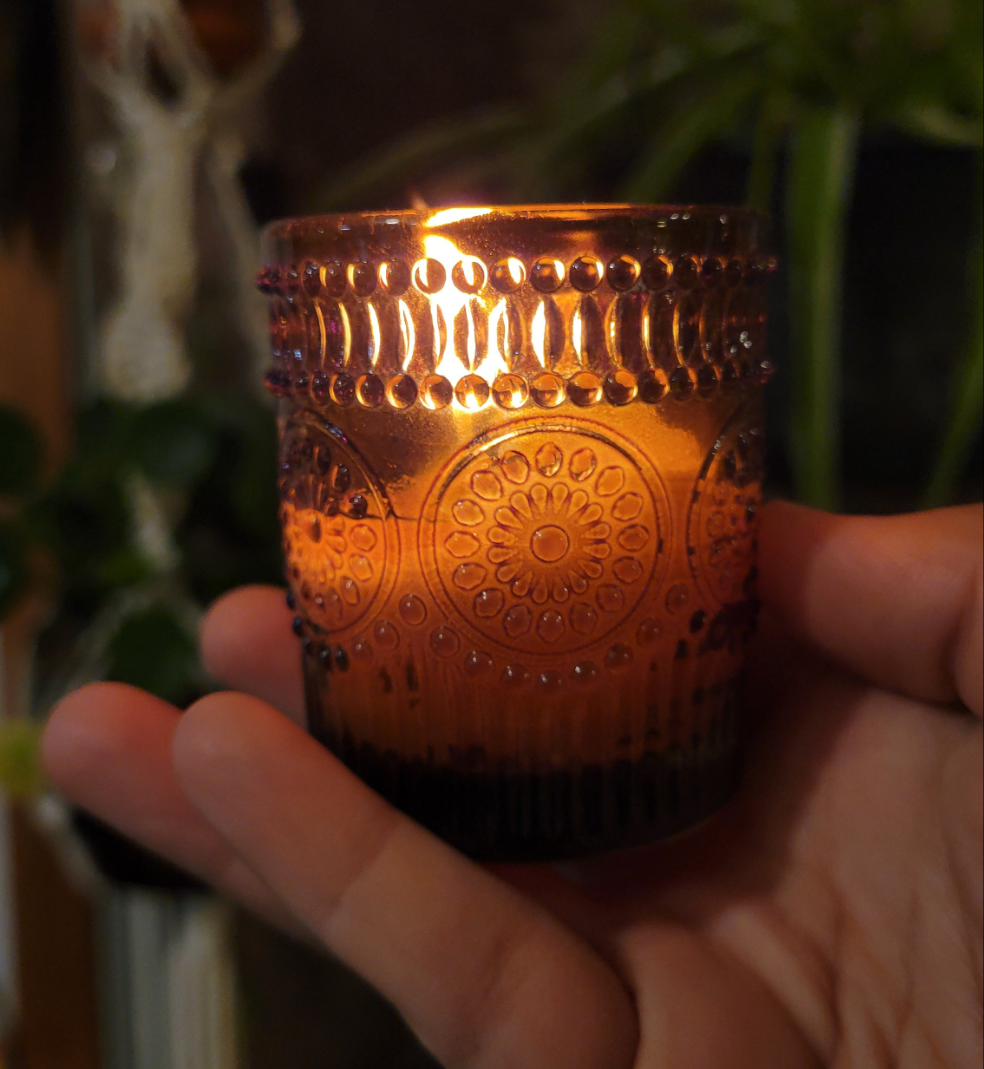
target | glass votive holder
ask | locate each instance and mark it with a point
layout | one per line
(521, 460)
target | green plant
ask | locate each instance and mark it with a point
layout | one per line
(658, 80)
(21, 775)
(160, 509)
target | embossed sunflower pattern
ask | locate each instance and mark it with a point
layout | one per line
(334, 541)
(549, 543)
(723, 526)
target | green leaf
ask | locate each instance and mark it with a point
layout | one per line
(246, 461)
(172, 442)
(21, 775)
(20, 452)
(585, 120)
(153, 651)
(124, 567)
(821, 178)
(679, 140)
(84, 522)
(13, 566)
(102, 439)
(933, 122)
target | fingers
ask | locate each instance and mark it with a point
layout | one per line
(248, 644)
(485, 977)
(897, 599)
(107, 747)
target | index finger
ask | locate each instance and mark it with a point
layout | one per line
(484, 976)
(897, 599)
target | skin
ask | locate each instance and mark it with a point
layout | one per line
(830, 916)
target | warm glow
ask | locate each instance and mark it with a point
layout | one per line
(471, 345)
(576, 331)
(471, 403)
(321, 324)
(437, 327)
(407, 333)
(346, 333)
(494, 363)
(472, 271)
(450, 301)
(374, 343)
(538, 334)
(455, 215)
(455, 313)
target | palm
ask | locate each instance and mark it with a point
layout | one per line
(831, 915)
(818, 916)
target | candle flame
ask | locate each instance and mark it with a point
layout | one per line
(460, 345)
(450, 300)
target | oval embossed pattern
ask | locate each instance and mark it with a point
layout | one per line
(722, 530)
(340, 550)
(545, 542)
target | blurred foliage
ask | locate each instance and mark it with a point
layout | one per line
(21, 449)
(795, 84)
(152, 650)
(160, 509)
(21, 775)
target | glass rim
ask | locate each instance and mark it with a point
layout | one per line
(573, 212)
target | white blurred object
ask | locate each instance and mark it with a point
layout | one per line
(166, 974)
(167, 960)
(175, 116)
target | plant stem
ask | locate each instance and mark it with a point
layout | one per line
(967, 411)
(821, 178)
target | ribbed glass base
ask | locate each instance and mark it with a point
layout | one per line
(497, 812)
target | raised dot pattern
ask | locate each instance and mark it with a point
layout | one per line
(547, 543)
(332, 515)
(641, 328)
(723, 523)
(550, 541)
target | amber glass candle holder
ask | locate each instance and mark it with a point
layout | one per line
(521, 459)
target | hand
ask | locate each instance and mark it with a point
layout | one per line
(830, 916)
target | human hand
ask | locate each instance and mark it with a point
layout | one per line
(830, 916)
